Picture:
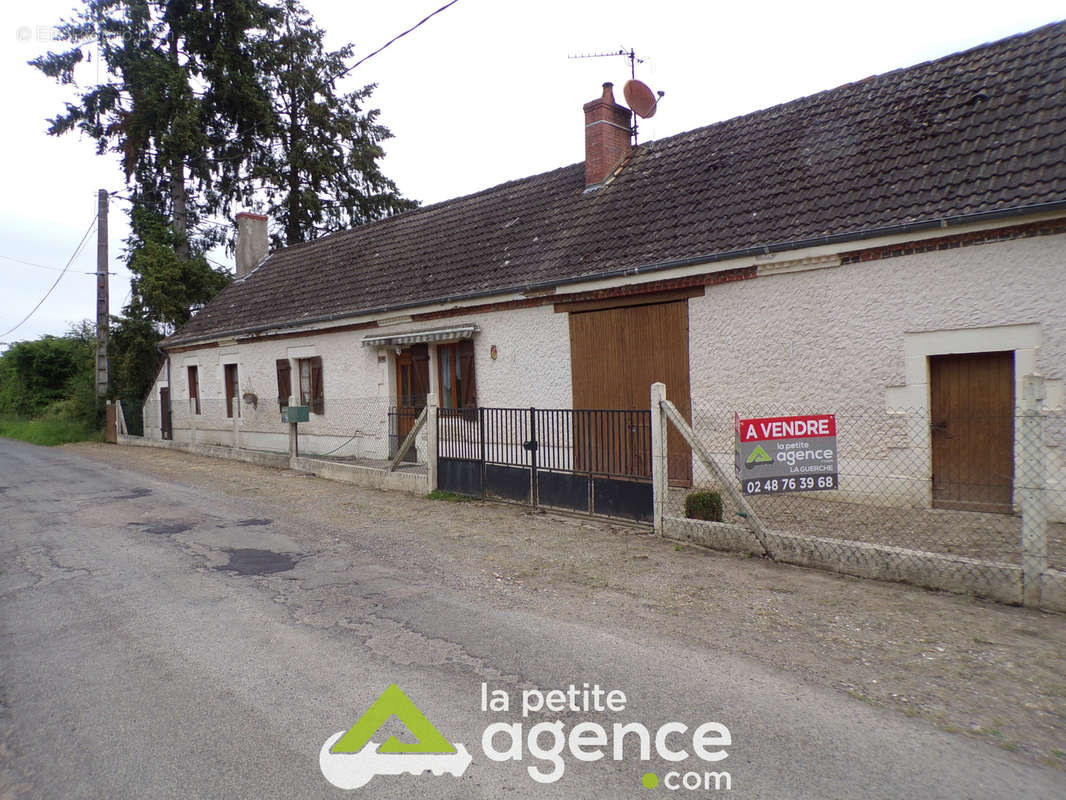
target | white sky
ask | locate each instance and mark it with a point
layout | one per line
(482, 93)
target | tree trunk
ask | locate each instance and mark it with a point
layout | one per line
(177, 180)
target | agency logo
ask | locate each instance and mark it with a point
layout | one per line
(349, 759)
(758, 457)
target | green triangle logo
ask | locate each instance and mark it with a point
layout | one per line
(393, 702)
(758, 456)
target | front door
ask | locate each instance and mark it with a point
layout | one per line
(412, 386)
(972, 426)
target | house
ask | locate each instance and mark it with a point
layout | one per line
(890, 246)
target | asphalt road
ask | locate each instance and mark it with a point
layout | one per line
(148, 651)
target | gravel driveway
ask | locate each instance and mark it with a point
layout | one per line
(966, 665)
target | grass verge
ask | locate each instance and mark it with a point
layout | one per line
(451, 497)
(48, 431)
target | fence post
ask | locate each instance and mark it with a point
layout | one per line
(120, 419)
(1034, 511)
(294, 444)
(533, 447)
(236, 411)
(659, 473)
(432, 436)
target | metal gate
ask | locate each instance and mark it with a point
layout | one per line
(595, 461)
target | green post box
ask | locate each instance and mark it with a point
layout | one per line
(295, 414)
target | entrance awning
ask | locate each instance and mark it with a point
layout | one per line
(418, 337)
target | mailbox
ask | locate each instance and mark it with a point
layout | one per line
(295, 414)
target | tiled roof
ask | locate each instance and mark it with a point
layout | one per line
(983, 131)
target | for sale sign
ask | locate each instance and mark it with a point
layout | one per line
(786, 454)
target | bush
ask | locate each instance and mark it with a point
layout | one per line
(704, 505)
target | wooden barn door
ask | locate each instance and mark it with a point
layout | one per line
(972, 424)
(617, 353)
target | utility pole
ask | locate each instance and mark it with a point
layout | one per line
(102, 302)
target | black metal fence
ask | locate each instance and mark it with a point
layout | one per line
(596, 461)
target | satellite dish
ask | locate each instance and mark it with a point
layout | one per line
(640, 98)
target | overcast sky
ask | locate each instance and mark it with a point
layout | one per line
(483, 93)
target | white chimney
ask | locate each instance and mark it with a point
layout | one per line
(253, 242)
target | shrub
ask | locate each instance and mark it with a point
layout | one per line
(704, 505)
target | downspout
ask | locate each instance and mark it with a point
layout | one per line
(170, 396)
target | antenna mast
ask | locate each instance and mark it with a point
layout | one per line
(634, 59)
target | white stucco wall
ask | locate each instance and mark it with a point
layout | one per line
(532, 367)
(846, 339)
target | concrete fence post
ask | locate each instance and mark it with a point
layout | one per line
(1032, 479)
(431, 439)
(294, 444)
(120, 419)
(659, 471)
(236, 411)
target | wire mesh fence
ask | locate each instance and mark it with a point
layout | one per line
(904, 481)
(353, 429)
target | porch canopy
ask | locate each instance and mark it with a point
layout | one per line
(418, 337)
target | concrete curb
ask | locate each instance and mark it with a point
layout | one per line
(358, 475)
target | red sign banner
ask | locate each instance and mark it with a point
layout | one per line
(766, 429)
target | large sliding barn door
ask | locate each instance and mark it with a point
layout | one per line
(972, 398)
(617, 353)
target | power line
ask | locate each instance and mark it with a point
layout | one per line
(45, 266)
(77, 251)
(394, 38)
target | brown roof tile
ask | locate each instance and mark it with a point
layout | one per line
(981, 131)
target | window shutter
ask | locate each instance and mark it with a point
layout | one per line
(284, 382)
(318, 393)
(420, 373)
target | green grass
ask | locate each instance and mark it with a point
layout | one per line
(451, 497)
(48, 431)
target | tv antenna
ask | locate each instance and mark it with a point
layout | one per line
(630, 54)
(640, 99)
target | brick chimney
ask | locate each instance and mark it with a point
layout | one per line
(253, 243)
(607, 136)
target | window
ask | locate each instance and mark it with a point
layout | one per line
(455, 368)
(194, 390)
(232, 386)
(284, 382)
(312, 392)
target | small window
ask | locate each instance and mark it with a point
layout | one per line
(455, 367)
(312, 392)
(232, 388)
(284, 382)
(194, 390)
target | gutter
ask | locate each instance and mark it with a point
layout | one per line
(781, 247)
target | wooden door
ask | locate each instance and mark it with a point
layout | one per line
(412, 386)
(972, 427)
(617, 353)
(164, 413)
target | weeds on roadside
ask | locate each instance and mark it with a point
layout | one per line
(48, 430)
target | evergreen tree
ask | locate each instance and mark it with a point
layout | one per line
(317, 164)
(210, 103)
